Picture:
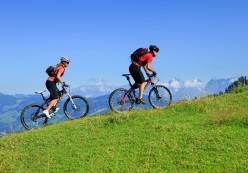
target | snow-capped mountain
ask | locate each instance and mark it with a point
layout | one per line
(191, 89)
(214, 86)
(181, 89)
(99, 89)
(94, 87)
(93, 90)
(188, 89)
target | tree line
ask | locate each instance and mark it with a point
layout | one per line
(242, 81)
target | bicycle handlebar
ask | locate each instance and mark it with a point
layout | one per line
(65, 86)
(151, 75)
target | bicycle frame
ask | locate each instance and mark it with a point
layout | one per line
(121, 99)
(75, 106)
(45, 100)
(134, 86)
(62, 93)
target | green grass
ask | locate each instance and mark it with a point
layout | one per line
(204, 135)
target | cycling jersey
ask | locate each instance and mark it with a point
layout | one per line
(58, 69)
(143, 60)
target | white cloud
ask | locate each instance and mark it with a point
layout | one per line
(194, 83)
(174, 83)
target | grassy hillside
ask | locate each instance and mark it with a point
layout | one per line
(205, 135)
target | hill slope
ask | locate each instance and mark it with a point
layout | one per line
(205, 135)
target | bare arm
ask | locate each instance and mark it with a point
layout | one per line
(148, 68)
(58, 76)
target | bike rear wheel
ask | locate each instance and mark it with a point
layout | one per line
(76, 107)
(120, 101)
(32, 117)
(160, 96)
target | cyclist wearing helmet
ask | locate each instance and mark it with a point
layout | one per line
(135, 70)
(51, 84)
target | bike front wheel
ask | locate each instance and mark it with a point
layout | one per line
(120, 101)
(76, 107)
(160, 96)
(32, 117)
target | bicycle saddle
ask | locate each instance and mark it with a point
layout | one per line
(126, 75)
(40, 92)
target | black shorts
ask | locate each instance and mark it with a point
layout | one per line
(137, 74)
(52, 88)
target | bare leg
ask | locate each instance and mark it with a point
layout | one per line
(51, 104)
(141, 89)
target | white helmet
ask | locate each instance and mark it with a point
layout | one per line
(64, 58)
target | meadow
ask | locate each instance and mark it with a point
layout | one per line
(202, 135)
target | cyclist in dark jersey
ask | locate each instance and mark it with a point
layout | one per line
(51, 84)
(135, 70)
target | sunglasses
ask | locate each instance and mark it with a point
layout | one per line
(66, 62)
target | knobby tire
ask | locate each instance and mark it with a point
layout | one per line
(32, 117)
(160, 96)
(81, 110)
(116, 101)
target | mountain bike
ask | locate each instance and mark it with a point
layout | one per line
(122, 100)
(74, 107)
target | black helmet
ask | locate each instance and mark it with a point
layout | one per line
(153, 47)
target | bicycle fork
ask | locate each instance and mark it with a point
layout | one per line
(74, 106)
(156, 92)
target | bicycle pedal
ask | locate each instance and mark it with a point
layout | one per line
(53, 115)
(133, 100)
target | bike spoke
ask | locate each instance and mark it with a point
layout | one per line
(160, 96)
(119, 101)
(77, 107)
(32, 117)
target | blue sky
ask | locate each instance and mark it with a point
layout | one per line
(201, 39)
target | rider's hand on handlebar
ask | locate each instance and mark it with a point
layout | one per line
(65, 85)
(149, 75)
(154, 73)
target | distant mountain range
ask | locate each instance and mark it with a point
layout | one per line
(98, 95)
(180, 89)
